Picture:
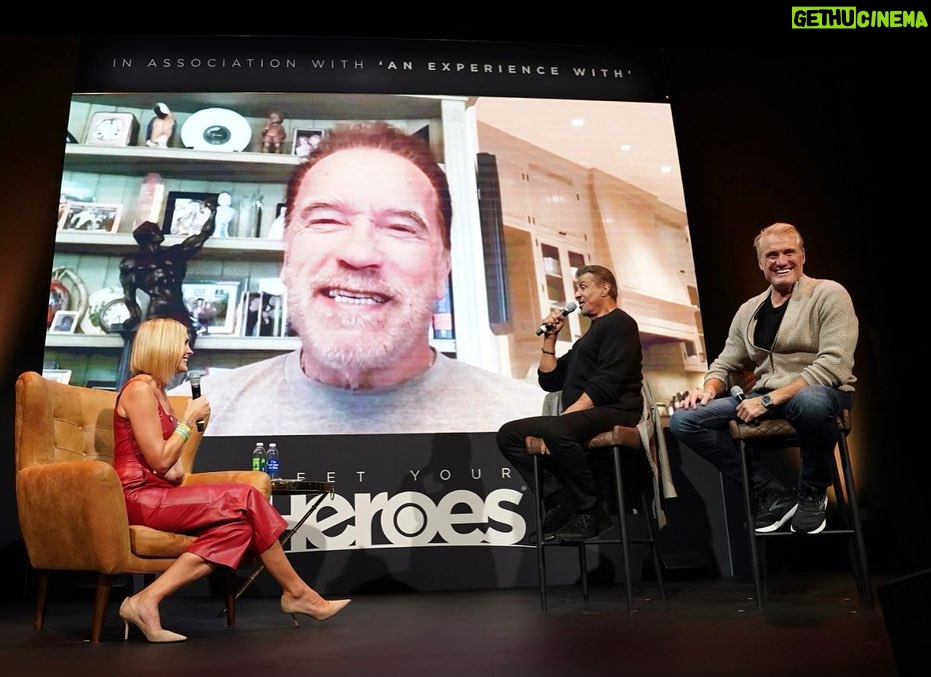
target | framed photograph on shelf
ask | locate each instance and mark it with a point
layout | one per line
(64, 322)
(213, 305)
(306, 141)
(58, 375)
(89, 217)
(264, 311)
(186, 213)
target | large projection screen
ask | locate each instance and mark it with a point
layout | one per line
(555, 158)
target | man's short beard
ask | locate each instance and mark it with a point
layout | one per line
(351, 344)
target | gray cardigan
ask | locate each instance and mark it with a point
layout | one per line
(816, 339)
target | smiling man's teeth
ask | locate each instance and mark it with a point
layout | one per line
(341, 296)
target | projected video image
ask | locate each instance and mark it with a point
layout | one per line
(387, 292)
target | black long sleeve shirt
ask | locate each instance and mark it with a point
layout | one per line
(606, 363)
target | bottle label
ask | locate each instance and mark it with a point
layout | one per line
(271, 467)
(258, 458)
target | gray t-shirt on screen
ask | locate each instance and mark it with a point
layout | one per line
(275, 397)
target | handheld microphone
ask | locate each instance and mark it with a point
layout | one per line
(194, 378)
(570, 307)
(739, 393)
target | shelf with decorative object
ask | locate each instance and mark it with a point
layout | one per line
(115, 341)
(180, 162)
(117, 244)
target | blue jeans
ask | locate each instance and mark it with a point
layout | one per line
(813, 411)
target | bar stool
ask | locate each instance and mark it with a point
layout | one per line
(770, 434)
(619, 440)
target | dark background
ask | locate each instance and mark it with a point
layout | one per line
(824, 129)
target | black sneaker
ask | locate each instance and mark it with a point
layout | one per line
(811, 518)
(558, 512)
(585, 525)
(774, 508)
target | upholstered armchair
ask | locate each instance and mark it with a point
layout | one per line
(72, 515)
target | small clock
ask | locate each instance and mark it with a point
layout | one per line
(105, 308)
(113, 315)
(112, 129)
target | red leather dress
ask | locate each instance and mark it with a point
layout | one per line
(229, 519)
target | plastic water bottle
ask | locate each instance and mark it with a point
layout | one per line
(271, 461)
(258, 457)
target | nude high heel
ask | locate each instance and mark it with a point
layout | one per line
(129, 615)
(331, 608)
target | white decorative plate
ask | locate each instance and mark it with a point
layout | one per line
(216, 129)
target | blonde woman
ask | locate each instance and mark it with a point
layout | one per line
(230, 519)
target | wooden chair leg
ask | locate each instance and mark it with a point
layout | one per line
(622, 526)
(101, 596)
(41, 599)
(230, 577)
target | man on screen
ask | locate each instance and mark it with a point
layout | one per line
(367, 242)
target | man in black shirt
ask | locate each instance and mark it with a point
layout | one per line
(601, 379)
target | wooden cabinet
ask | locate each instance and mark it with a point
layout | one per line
(541, 201)
(539, 191)
(547, 197)
(559, 262)
(557, 204)
(513, 180)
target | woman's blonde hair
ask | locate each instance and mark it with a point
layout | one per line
(157, 348)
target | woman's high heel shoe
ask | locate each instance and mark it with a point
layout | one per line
(129, 615)
(331, 608)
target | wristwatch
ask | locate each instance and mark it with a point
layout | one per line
(767, 401)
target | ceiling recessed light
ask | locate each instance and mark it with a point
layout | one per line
(626, 147)
(665, 169)
(577, 122)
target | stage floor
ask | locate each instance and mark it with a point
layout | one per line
(813, 624)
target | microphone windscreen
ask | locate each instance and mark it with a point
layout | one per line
(194, 378)
(738, 392)
(570, 308)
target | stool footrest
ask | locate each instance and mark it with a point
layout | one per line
(826, 532)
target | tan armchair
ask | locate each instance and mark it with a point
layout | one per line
(69, 499)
